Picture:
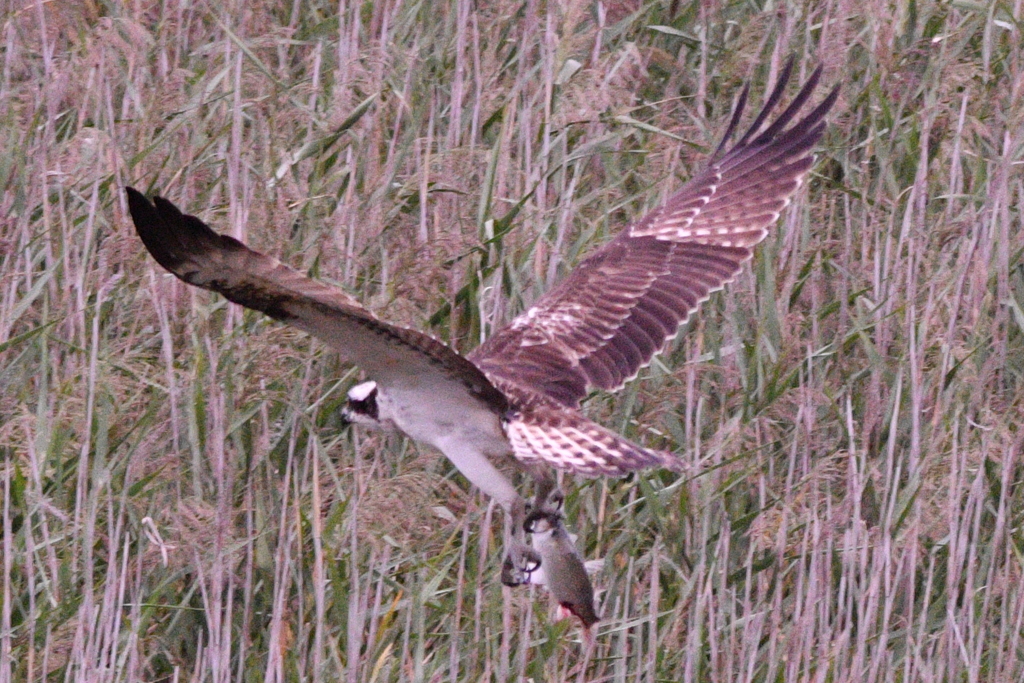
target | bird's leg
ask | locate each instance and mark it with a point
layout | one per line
(547, 496)
(520, 559)
(477, 467)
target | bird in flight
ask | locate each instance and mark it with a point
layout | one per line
(519, 392)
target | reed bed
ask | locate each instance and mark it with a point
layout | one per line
(180, 501)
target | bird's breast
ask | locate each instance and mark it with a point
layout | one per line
(432, 418)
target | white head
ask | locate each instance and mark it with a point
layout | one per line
(362, 391)
(362, 405)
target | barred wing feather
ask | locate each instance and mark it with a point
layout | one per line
(624, 303)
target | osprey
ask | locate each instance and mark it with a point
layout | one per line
(519, 392)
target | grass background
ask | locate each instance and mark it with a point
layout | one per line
(180, 502)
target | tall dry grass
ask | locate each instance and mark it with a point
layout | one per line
(180, 502)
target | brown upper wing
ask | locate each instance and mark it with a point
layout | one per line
(393, 355)
(622, 305)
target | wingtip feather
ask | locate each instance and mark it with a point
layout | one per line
(170, 235)
(151, 228)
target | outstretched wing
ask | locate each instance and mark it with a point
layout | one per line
(563, 438)
(393, 356)
(624, 303)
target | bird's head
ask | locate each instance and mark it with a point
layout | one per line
(362, 405)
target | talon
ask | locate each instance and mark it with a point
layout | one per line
(509, 576)
(530, 523)
(531, 562)
(519, 564)
(533, 520)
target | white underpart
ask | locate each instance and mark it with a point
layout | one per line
(464, 430)
(480, 471)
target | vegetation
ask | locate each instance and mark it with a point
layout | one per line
(180, 501)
